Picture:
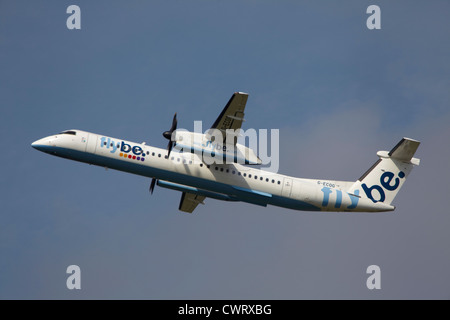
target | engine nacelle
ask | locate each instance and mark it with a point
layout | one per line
(214, 149)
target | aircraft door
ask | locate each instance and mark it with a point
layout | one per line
(287, 187)
(91, 143)
(295, 191)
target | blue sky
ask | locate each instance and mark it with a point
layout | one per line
(337, 92)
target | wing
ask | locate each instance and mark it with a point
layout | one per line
(189, 201)
(232, 115)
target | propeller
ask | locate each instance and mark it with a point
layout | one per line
(168, 134)
(152, 186)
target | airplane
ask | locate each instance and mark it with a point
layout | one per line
(237, 179)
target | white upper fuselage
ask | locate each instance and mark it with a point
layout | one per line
(187, 172)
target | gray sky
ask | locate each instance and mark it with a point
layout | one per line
(337, 91)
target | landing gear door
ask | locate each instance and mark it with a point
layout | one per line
(287, 186)
(91, 143)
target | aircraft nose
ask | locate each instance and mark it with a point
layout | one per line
(41, 144)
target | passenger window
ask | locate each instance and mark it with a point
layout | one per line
(267, 179)
(256, 177)
(234, 172)
(273, 181)
(159, 155)
(221, 169)
(279, 182)
(249, 175)
(245, 174)
(201, 164)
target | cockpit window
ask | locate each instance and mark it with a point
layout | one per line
(68, 132)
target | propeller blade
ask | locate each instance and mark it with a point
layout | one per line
(152, 186)
(169, 148)
(174, 123)
(168, 134)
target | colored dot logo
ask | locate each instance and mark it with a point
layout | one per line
(129, 156)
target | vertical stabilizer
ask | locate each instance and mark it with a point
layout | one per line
(384, 179)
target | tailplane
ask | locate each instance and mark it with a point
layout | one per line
(384, 179)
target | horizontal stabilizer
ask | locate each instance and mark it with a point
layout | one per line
(404, 150)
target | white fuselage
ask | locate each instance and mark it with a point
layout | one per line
(188, 172)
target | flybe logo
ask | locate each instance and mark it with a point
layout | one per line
(387, 181)
(216, 146)
(126, 150)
